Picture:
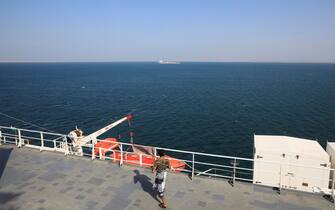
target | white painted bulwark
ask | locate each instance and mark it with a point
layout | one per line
(331, 152)
(290, 163)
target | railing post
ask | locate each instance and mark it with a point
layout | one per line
(114, 157)
(14, 129)
(55, 146)
(333, 181)
(192, 165)
(140, 159)
(20, 139)
(155, 152)
(65, 146)
(280, 177)
(93, 155)
(234, 173)
(4, 139)
(100, 153)
(42, 141)
(121, 157)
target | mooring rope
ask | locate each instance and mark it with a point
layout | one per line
(6, 115)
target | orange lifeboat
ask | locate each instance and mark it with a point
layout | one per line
(176, 164)
(115, 156)
(134, 159)
(147, 160)
(105, 145)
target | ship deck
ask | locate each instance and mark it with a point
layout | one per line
(30, 179)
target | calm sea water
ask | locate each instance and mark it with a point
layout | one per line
(208, 107)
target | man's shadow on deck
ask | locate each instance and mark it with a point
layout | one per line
(146, 184)
(4, 156)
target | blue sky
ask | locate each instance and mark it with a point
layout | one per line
(234, 30)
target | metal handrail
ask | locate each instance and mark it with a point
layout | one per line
(58, 143)
(32, 131)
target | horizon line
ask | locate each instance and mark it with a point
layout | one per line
(156, 61)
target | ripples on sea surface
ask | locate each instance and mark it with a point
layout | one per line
(207, 107)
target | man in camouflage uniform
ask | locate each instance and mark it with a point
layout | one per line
(160, 167)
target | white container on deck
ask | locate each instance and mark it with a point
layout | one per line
(331, 152)
(290, 163)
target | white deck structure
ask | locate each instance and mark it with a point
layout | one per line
(331, 151)
(292, 155)
(34, 180)
(209, 165)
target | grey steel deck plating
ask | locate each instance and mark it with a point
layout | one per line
(45, 180)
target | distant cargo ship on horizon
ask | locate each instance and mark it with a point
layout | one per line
(168, 62)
